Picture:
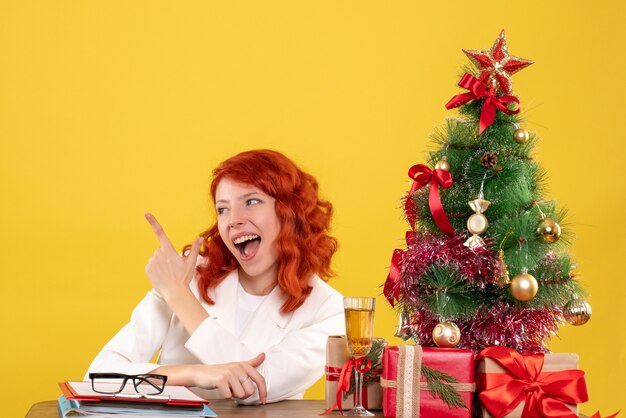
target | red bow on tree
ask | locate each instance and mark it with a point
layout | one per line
(478, 91)
(391, 289)
(422, 175)
(545, 393)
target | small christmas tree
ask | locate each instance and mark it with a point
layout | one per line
(485, 261)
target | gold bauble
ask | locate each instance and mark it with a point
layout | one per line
(520, 135)
(524, 286)
(577, 311)
(446, 334)
(477, 223)
(442, 164)
(549, 230)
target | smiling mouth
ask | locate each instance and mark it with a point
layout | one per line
(247, 244)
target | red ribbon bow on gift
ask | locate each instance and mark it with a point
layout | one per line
(544, 393)
(361, 365)
(478, 91)
(422, 175)
(597, 415)
(333, 374)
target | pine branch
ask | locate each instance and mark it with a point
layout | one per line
(438, 384)
(445, 293)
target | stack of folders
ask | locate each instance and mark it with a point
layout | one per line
(79, 399)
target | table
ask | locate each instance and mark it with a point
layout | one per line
(227, 409)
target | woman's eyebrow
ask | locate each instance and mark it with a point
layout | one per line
(245, 196)
(251, 194)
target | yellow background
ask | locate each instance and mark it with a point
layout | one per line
(112, 108)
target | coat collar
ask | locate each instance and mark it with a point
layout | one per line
(224, 311)
(225, 297)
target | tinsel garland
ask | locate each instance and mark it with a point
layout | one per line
(521, 329)
(502, 323)
(478, 265)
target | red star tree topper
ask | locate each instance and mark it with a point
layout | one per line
(496, 65)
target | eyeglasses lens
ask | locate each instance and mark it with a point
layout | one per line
(149, 384)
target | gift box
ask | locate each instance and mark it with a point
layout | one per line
(535, 385)
(337, 355)
(406, 392)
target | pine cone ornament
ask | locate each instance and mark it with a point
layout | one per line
(489, 159)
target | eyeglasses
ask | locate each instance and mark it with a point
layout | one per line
(112, 383)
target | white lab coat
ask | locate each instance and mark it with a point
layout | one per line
(294, 343)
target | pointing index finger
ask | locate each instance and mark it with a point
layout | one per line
(158, 231)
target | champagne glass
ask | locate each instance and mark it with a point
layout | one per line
(360, 332)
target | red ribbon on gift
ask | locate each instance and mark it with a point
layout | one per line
(391, 289)
(544, 393)
(597, 415)
(333, 374)
(478, 91)
(361, 365)
(422, 175)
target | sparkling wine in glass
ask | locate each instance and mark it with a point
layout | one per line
(359, 332)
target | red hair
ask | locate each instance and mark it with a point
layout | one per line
(303, 244)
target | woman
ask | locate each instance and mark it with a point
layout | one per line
(243, 311)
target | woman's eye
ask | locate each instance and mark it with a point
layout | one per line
(220, 210)
(252, 202)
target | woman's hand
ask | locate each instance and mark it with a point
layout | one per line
(233, 380)
(168, 272)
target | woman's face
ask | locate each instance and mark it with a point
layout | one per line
(248, 225)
